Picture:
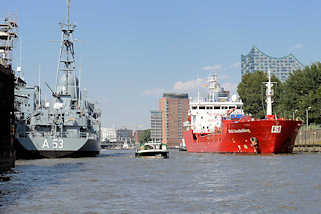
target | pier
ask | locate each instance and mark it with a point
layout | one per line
(8, 34)
(308, 140)
(117, 145)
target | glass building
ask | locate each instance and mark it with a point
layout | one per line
(281, 67)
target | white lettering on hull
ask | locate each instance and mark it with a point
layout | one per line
(276, 129)
(57, 143)
(45, 144)
(232, 131)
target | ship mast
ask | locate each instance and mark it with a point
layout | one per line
(269, 94)
(212, 87)
(39, 86)
(66, 63)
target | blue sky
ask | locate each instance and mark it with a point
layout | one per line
(133, 51)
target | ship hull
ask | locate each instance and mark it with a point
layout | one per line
(251, 137)
(41, 147)
(151, 154)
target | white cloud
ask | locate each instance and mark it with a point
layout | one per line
(296, 46)
(188, 85)
(212, 68)
(230, 86)
(235, 65)
(153, 92)
(223, 77)
(100, 101)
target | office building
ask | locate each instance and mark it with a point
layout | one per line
(156, 126)
(174, 110)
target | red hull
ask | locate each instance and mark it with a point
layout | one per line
(250, 136)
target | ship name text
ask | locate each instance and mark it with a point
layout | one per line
(232, 131)
(57, 143)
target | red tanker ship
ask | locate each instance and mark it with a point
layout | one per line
(220, 126)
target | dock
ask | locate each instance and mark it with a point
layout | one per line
(308, 140)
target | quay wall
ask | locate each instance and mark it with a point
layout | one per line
(308, 140)
(7, 152)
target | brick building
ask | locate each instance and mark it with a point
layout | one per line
(174, 109)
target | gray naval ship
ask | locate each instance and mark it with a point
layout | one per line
(66, 126)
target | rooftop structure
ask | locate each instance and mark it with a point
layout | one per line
(173, 95)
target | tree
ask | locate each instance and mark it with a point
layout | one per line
(252, 93)
(145, 137)
(302, 90)
(299, 92)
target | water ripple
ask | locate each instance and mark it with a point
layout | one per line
(116, 182)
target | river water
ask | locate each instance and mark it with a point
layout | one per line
(117, 182)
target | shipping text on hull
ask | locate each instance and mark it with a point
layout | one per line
(266, 136)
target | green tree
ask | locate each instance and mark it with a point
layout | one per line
(145, 137)
(302, 90)
(252, 93)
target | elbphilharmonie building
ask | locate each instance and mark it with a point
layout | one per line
(281, 67)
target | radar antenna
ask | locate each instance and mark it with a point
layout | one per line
(66, 63)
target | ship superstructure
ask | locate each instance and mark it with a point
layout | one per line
(221, 127)
(66, 125)
(206, 114)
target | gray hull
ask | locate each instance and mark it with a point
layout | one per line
(47, 147)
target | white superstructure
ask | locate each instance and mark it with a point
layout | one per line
(206, 114)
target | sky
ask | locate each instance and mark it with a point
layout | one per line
(131, 52)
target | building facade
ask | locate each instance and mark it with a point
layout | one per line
(124, 135)
(108, 134)
(156, 125)
(174, 110)
(138, 135)
(281, 67)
